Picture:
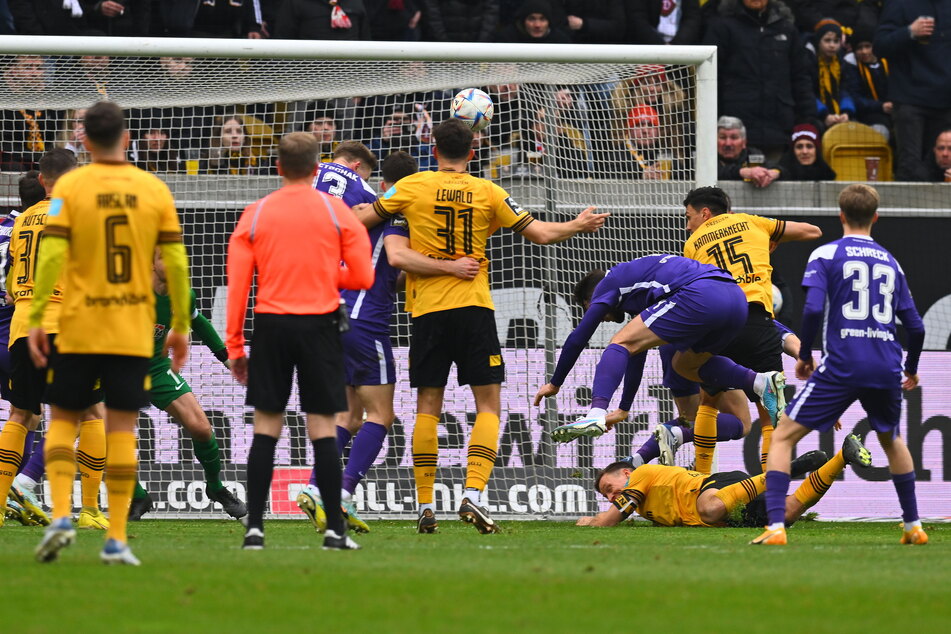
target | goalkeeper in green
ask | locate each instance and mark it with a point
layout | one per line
(171, 393)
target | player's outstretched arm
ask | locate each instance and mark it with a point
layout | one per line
(52, 256)
(404, 257)
(179, 295)
(799, 231)
(587, 221)
(206, 333)
(576, 342)
(610, 517)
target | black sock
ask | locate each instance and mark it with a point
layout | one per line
(260, 471)
(329, 480)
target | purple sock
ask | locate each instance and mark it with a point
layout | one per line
(649, 450)
(34, 468)
(724, 373)
(27, 449)
(729, 427)
(608, 374)
(366, 447)
(777, 487)
(905, 486)
(343, 437)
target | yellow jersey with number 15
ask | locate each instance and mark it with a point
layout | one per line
(739, 244)
(113, 215)
(24, 245)
(450, 215)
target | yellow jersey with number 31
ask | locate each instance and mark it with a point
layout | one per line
(739, 244)
(662, 494)
(113, 215)
(450, 215)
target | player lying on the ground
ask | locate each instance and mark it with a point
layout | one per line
(674, 496)
(695, 307)
(855, 289)
(171, 393)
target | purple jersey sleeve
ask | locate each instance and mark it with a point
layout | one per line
(6, 230)
(343, 183)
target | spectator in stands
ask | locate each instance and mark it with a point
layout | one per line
(596, 21)
(919, 80)
(48, 17)
(834, 104)
(562, 137)
(322, 20)
(809, 13)
(230, 18)
(399, 133)
(155, 151)
(652, 87)
(231, 152)
(25, 134)
(460, 20)
(324, 129)
(803, 161)
(73, 135)
(120, 18)
(763, 69)
(640, 157)
(941, 170)
(6, 21)
(665, 22)
(176, 18)
(867, 79)
(533, 23)
(394, 20)
(737, 161)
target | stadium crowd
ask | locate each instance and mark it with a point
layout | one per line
(789, 71)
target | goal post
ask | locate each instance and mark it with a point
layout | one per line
(628, 129)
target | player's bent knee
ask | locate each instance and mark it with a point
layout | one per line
(710, 508)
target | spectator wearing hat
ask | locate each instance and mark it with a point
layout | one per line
(834, 104)
(639, 155)
(803, 161)
(941, 169)
(652, 86)
(736, 161)
(533, 23)
(866, 77)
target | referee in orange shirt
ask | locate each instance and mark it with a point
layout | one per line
(295, 240)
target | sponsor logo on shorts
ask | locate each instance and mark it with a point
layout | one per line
(494, 360)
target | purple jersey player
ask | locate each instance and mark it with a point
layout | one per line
(855, 289)
(368, 354)
(696, 308)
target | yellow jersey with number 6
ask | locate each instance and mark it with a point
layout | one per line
(113, 215)
(450, 215)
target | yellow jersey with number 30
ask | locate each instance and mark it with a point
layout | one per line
(662, 494)
(739, 244)
(113, 215)
(450, 215)
(24, 245)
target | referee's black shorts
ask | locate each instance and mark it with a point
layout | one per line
(308, 343)
(465, 336)
(759, 346)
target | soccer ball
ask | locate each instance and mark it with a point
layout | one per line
(473, 107)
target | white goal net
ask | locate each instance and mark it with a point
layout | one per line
(628, 129)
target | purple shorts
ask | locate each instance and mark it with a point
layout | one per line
(678, 385)
(367, 355)
(703, 316)
(6, 314)
(822, 401)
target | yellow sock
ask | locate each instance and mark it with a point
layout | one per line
(91, 458)
(742, 492)
(61, 466)
(705, 437)
(11, 455)
(819, 481)
(120, 480)
(425, 454)
(767, 428)
(483, 446)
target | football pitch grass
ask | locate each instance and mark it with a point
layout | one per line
(537, 577)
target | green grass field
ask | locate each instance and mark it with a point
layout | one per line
(537, 576)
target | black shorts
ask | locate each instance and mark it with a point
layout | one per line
(464, 336)
(759, 346)
(309, 343)
(78, 381)
(27, 382)
(754, 512)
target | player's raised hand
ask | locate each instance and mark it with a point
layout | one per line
(239, 370)
(615, 417)
(805, 368)
(910, 382)
(465, 268)
(39, 345)
(589, 221)
(546, 390)
(178, 343)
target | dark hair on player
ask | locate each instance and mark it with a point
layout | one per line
(858, 203)
(712, 197)
(31, 189)
(356, 151)
(55, 163)
(614, 467)
(297, 154)
(453, 139)
(398, 165)
(584, 289)
(104, 123)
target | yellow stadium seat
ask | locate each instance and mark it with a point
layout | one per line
(851, 150)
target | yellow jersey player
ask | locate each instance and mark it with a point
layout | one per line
(674, 496)
(451, 214)
(739, 244)
(103, 224)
